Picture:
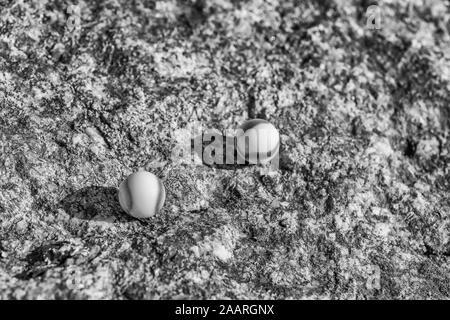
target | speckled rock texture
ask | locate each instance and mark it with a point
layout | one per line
(91, 91)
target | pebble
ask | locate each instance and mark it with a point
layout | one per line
(263, 141)
(142, 194)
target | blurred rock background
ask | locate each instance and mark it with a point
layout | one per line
(93, 91)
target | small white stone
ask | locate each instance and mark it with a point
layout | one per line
(142, 194)
(257, 141)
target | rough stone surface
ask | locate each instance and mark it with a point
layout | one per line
(92, 91)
